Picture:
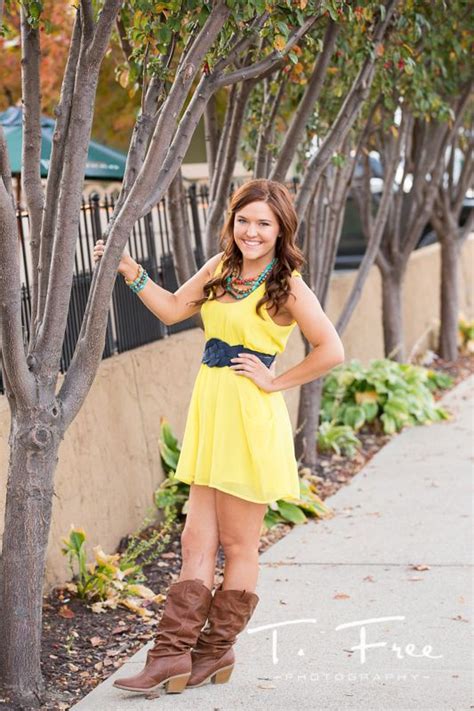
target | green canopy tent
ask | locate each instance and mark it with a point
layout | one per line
(103, 163)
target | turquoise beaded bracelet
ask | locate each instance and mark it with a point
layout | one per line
(139, 283)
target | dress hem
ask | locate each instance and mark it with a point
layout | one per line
(226, 491)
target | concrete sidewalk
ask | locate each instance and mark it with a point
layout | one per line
(345, 621)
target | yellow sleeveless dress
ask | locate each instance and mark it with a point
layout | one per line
(238, 438)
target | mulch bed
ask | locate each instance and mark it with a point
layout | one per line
(82, 648)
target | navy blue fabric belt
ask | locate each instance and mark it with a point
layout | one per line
(218, 353)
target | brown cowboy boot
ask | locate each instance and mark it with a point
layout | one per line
(213, 657)
(168, 663)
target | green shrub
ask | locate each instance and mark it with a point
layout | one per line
(172, 495)
(339, 438)
(146, 545)
(395, 394)
(108, 581)
(297, 511)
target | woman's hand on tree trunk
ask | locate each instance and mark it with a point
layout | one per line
(127, 267)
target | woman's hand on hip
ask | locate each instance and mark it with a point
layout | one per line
(252, 367)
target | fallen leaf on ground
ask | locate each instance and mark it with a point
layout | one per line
(458, 618)
(120, 629)
(66, 612)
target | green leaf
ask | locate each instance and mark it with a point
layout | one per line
(271, 518)
(170, 457)
(389, 424)
(354, 416)
(167, 434)
(290, 512)
(370, 410)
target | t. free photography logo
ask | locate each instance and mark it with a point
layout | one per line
(361, 637)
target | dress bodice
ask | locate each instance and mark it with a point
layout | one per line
(238, 322)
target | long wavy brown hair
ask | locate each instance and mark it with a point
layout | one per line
(288, 255)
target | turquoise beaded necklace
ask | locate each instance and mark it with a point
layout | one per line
(252, 283)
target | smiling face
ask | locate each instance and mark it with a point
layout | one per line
(256, 230)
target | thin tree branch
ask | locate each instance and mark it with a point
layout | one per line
(5, 170)
(306, 106)
(420, 217)
(351, 106)
(87, 16)
(125, 45)
(165, 128)
(51, 333)
(11, 335)
(55, 169)
(144, 127)
(375, 236)
(224, 176)
(242, 45)
(232, 143)
(268, 118)
(31, 148)
(224, 137)
(211, 136)
(273, 59)
(464, 180)
(104, 27)
(339, 187)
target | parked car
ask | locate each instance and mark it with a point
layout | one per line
(352, 244)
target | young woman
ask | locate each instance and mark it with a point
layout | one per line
(237, 452)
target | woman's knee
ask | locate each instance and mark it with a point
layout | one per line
(196, 542)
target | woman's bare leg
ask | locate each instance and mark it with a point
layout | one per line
(240, 525)
(199, 538)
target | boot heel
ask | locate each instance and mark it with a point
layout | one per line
(177, 684)
(223, 675)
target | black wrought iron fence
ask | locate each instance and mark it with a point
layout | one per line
(130, 323)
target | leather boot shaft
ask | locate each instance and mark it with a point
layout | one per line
(169, 661)
(229, 614)
(213, 657)
(186, 609)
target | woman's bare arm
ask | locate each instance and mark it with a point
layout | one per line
(169, 307)
(328, 350)
(175, 307)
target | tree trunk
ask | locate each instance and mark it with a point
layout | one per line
(308, 419)
(34, 443)
(392, 317)
(216, 211)
(177, 210)
(448, 336)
